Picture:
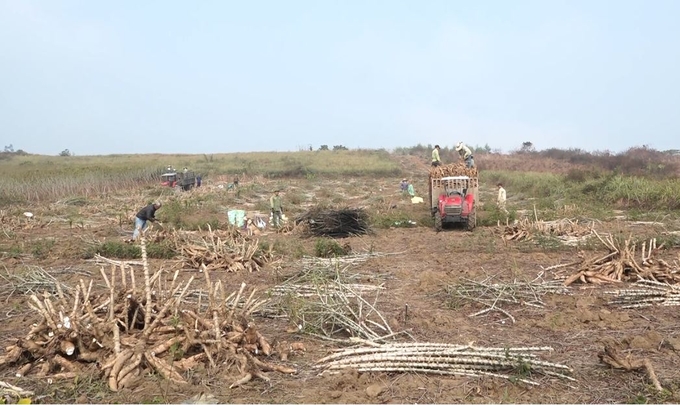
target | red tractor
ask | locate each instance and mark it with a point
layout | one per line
(184, 180)
(453, 201)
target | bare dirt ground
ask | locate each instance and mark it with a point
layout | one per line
(575, 325)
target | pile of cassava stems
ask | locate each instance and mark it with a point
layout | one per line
(142, 324)
(219, 250)
(512, 363)
(330, 304)
(494, 296)
(452, 169)
(526, 229)
(646, 293)
(620, 264)
(335, 223)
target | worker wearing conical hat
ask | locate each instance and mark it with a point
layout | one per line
(466, 154)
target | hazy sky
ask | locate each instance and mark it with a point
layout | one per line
(126, 76)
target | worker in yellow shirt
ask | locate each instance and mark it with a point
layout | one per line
(436, 161)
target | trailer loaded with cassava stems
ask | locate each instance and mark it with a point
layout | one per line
(453, 192)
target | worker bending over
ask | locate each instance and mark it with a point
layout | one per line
(466, 154)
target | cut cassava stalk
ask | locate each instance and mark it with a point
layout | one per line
(147, 284)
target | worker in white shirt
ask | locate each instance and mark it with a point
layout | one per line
(500, 201)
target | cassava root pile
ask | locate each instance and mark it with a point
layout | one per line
(620, 264)
(140, 326)
(223, 250)
(565, 229)
(516, 363)
(452, 169)
(646, 293)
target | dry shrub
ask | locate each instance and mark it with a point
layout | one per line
(638, 161)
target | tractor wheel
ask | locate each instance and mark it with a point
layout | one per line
(437, 222)
(472, 221)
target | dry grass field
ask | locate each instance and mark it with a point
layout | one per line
(501, 286)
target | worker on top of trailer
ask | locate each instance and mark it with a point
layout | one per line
(466, 154)
(436, 161)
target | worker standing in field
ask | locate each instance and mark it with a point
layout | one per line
(144, 215)
(466, 154)
(500, 201)
(276, 208)
(436, 161)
